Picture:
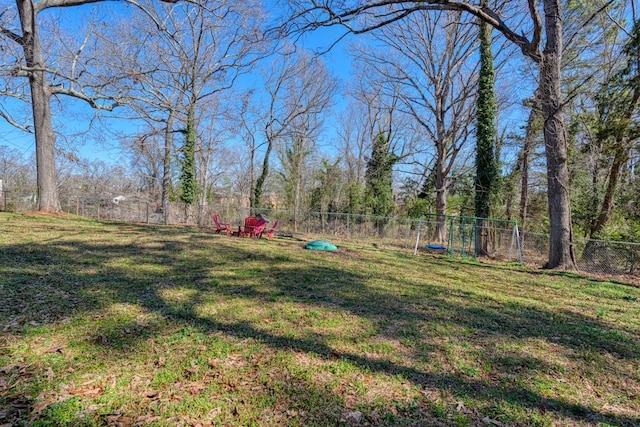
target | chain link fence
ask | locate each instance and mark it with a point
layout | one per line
(594, 256)
(471, 237)
(455, 236)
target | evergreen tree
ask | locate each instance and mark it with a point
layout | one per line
(355, 197)
(617, 127)
(294, 161)
(378, 179)
(327, 195)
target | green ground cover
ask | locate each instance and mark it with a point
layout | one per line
(118, 324)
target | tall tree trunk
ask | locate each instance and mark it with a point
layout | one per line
(441, 202)
(166, 173)
(486, 164)
(620, 158)
(561, 252)
(525, 160)
(188, 175)
(259, 188)
(48, 200)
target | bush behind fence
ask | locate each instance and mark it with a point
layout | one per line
(594, 256)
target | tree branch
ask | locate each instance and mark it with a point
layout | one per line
(537, 26)
(46, 4)
(324, 14)
(589, 19)
(12, 122)
(92, 101)
(11, 35)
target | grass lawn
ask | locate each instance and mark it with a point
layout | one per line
(118, 324)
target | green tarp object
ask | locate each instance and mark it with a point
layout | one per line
(321, 245)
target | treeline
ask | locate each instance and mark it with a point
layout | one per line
(220, 102)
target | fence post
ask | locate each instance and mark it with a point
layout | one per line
(415, 249)
(473, 236)
(450, 235)
(516, 233)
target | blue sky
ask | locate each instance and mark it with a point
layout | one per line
(89, 149)
(86, 146)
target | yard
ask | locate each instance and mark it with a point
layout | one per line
(105, 323)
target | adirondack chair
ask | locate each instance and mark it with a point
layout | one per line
(249, 227)
(259, 228)
(270, 232)
(221, 226)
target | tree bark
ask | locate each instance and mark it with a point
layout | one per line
(525, 160)
(441, 202)
(620, 158)
(166, 161)
(45, 138)
(486, 164)
(259, 187)
(561, 253)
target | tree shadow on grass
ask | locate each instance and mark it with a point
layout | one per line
(54, 280)
(458, 384)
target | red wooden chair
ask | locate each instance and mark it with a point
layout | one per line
(221, 226)
(261, 223)
(270, 232)
(249, 227)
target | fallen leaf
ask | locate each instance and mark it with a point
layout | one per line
(55, 349)
(8, 368)
(147, 419)
(40, 406)
(89, 391)
(119, 420)
(196, 388)
(351, 417)
(492, 422)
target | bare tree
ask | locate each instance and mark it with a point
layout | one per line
(359, 17)
(16, 172)
(20, 26)
(213, 157)
(146, 160)
(428, 63)
(525, 159)
(294, 173)
(299, 89)
(181, 73)
(354, 140)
